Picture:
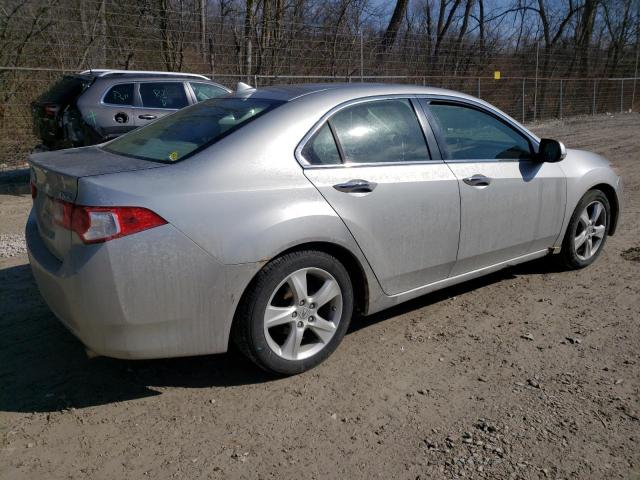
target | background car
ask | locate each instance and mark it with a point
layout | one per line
(272, 215)
(97, 105)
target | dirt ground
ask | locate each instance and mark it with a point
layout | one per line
(529, 373)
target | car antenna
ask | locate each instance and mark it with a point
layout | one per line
(242, 87)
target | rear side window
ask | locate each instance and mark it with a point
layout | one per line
(380, 131)
(65, 91)
(322, 149)
(205, 91)
(163, 95)
(177, 136)
(120, 95)
(471, 134)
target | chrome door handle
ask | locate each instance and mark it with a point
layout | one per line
(477, 181)
(146, 117)
(356, 186)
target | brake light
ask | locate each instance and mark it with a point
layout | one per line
(100, 224)
(51, 110)
(34, 191)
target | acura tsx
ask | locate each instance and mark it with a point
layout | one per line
(270, 216)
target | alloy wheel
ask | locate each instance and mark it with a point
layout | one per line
(590, 230)
(303, 314)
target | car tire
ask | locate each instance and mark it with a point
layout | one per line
(279, 326)
(585, 231)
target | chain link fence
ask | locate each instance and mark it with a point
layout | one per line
(526, 99)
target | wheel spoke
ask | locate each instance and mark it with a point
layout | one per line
(323, 329)
(599, 231)
(278, 315)
(597, 210)
(327, 292)
(588, 248)
(584, 218)
(291, 345)
(298, 283)
(580, 239)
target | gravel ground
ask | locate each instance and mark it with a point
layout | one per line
(12, 245)
(529, 373)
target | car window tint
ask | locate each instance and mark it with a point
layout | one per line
(205, 91)
(163, 95)
(177, 136)
(380, 131)
(322, 149)
(471, 134)
(120, 95)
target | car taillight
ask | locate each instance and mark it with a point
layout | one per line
(51, 110)
(34, 191)
(100, 224)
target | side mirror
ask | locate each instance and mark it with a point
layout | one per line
(551, 150)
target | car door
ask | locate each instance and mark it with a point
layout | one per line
(115, 116)
(159, 98)
(371, 162)
(511, 204)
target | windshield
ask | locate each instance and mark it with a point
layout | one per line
(177, 136)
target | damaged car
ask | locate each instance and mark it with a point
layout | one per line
(94, 106)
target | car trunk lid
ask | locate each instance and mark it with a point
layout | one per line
(54, 177)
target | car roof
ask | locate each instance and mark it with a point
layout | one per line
(292, 92)
(145, 73)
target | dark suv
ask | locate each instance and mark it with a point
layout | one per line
(97, 105)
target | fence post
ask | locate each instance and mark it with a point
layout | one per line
(255, 81)
(361, 57)
(479, 87)
(424, 82)
(595, 83)
(635, 75)
(560, 99)
(523, 82)
(535, 87)
(622, 95)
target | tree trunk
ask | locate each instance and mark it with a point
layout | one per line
(391, 33)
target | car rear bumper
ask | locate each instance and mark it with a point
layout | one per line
(154, 294)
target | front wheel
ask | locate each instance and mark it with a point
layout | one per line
(587, 231)
(295, 313)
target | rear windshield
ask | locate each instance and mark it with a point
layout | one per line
(65, 91)
(179, 135)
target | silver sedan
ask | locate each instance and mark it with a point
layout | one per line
(270, 217)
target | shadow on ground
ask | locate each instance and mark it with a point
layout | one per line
(44, 368)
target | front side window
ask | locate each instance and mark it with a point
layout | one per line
(471, 134)
(205, 91)
(163, 95)
(177, 136)
(322, 149)
(380, 131)
(120, 95)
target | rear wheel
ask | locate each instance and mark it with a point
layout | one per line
(587, 230)
(295, 313)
